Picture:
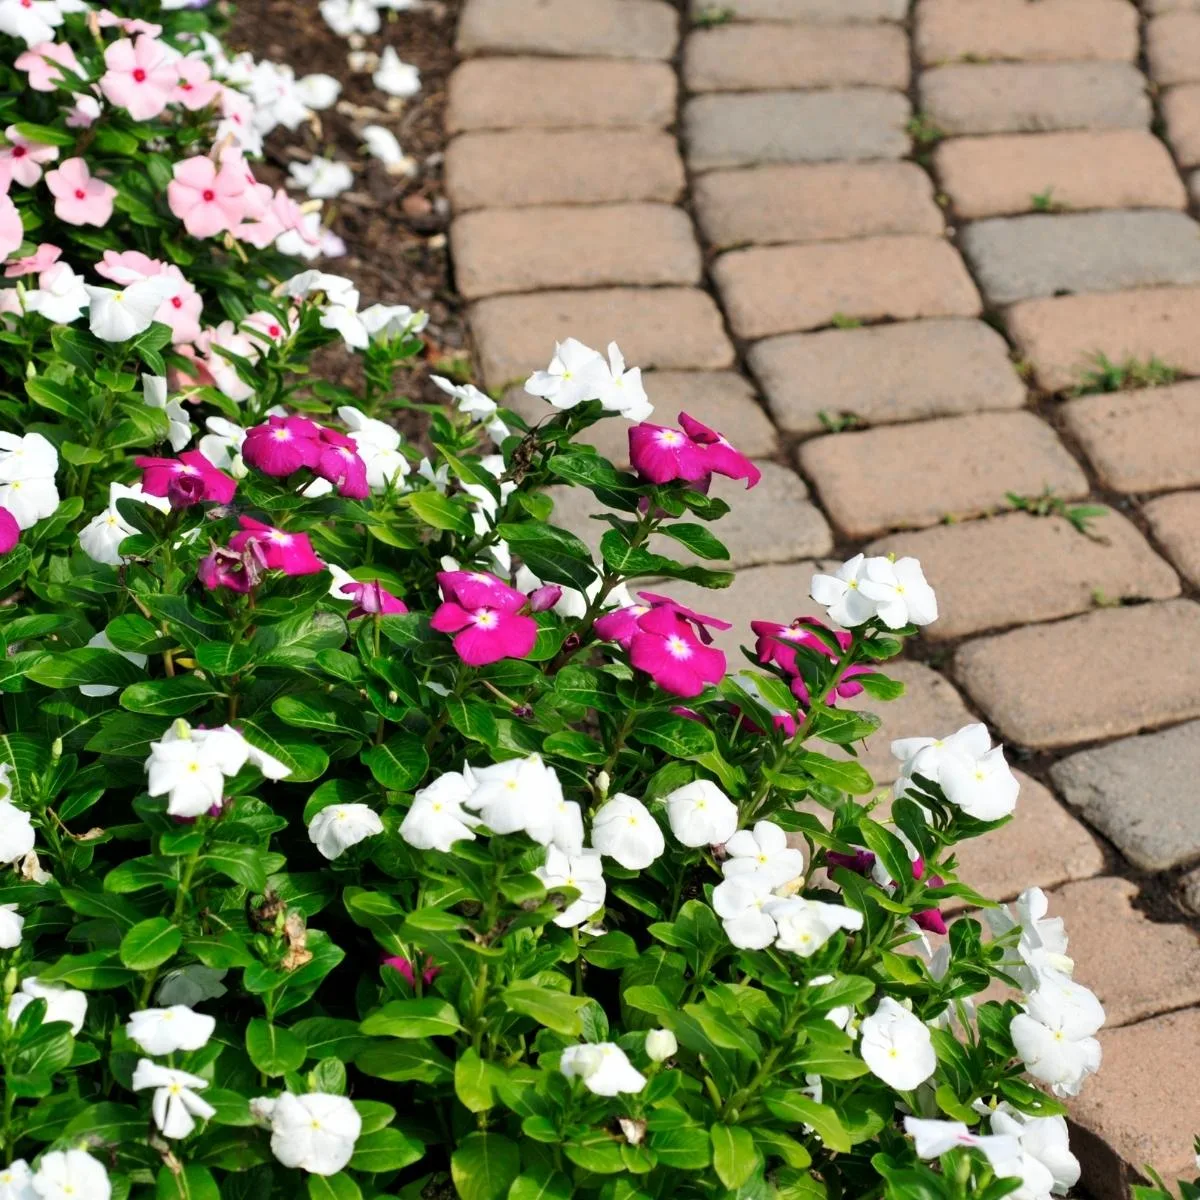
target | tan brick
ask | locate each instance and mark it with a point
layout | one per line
(829, 12)
(886, 373)
(1048, 31)
(1173, 47)
(784, 288)
(516, 168)
(526, 249)
(1181, 107)
(1110, 672)
(1029, 97)
(1062, 335)
(1175, 521)
(814, 203)
(912, 476)
(756, 58)
(577, 93)
(1022, 568)
(1141, 441)
(604, 28)
(670, 328)
(999, 175)
(1141, 1108)
(1162, 6)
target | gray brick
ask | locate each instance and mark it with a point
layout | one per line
(819, 12)
(603, 28)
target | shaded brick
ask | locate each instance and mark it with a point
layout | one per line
(757, 58)
(1050, 30)
(1136, 1110)
(1028, 97)
(1141, 441)
(886, 373)
(767, 127)
(998, 175)
(1111, 672)
(527, 249)
(1062, 335)
(1023, 568)
(1181, 107)
(1016, 258)
(1162, 6)
(1140, 793)
(508, 169)
(539, 93)
(911, 476)
(1189, 889)
(604, 28)
(1176, 524)
(784, 288)
(831, 12)
(814, 203)
(671, 328)
(1173, 47)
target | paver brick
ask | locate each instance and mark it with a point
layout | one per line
(1181, 107)
(1173, 47)
(779, 289)
(1062, 335)
(516, 168)
(604, 28)
(1050, 30)
(1140, 792)
(1111, 672)
(670, 328)
(1029, 97)
(886, 373)
(1175, 521)
(541, 93)
(1022, 568)
(814, 202)
(999, 175)
(1189, 889)
(1162, 6)
(1141, 441)
(1141, 1106)
(830, 12)
(762, 57)
(1016, 258)
(912, 476)
(526, 249)
(767, 127)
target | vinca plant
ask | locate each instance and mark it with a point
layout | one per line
(363, 832)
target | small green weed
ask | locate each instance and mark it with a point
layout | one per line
(839, 422)
(1044, 202)
(1108, 376)
(1050, 505)
(841, 321)
(710, 18)
(924, 131)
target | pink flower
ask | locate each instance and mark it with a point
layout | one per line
(206, 199)
(660, 454)
(225, 568)
(283, 445)
(429, 972)
(267, 324)
(186, 480)
(127, 25)
(141, 76)
(22, 159)
(12, 232)
(84, 113)
(621, 624)
(196, 88)
(667, 649)
(720, 456)
(124, 267)
(181, 312)
(340, 463)
(291, 553)
(10, 531)
(371, 598)
(544, 598)
(485, 616)
(778, 644)
(46, 255)
(701, 622)
(39, 62)
(860, 862)
(80, 199)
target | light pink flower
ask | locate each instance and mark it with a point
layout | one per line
(39, 62)
(196, 88)
(84, 112)
(206, 199)
(22, 159)
(46, 255)
(181, 311)
(80, 199)
(127, 25)
(291, 553)
(12, 232)
(267, 324)
(141, 76)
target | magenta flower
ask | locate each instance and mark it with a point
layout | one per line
(39, 61)
(222, 567)
(207, 199)
(621, 624)
(700, 621)
(660, 454)
(485, 616)
(667, 649)
(78, 198)
(371, 598)
(860, 862)
(429, 972)
(544, 598)
(339, 462)
(778, 644)
(291, 553)
(186, 480)
(140, 77)
(46, 255)
(283, 445)
(719, 455)
(10, 531)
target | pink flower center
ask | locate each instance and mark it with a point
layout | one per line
(668, 437)
(176, 302)
(80, 194)
(279, 537)
(677, 647)
(484, 618)
(139, 76)
(274, 330)
(185, 86)
(282, 435)
(19, 152)
(208, 194)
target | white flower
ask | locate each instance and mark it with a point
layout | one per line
(166, 1030)
(378, 445)
(660, 1045)
(436, 818)
(118, 315)
(16, 1181)
(340, 826)
(841, 594)
(322, 178)
(337, 288)
(175, 1104)
(566, 827)
(924, 756)
(343, 319)
(99, 641)
(1044, 1140)
(899, 591)
(28, 465)
(318, 91)
(576, 373)
(763, 853)
(985, 789)
(390, 320)
(101, 538)
(31, 20)
(742, 906)
(700, 814)
(581, 872)
(346, 17)
(897, 1046)
(381, 143)
(11, 924)
(190, 985)
(519, 795)
(933, 1138)
(1054, 1034)
(603, 1067)
(473, 403)
(16, 832)
(624, 829)
(61, 296)
(71, 1175)
(62, 1004)
(622, 391)
(154, 395)
(222, 446)
(315, 1132)
(1060, 1002)
(1042, 944)
(395, 77)
(806, 925)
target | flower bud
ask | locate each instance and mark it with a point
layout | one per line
(660, 1045)
(544, 598)
(185, 490)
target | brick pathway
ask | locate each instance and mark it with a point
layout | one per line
(919, 225)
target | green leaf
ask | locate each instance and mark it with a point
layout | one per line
(846, 776)
(333, 1187)
(611, 950)
(85, 665)
(14, 564)
(890, 850)
(686, 1149)
(57, 398)
(246, 865)
(48, 135)
(441, 512)
(553, 554)
(735, 1157)
(420, 1018)
(880, 687)
(632, 561)
(224, 658)
(696, 538)
(304, 760)
(676, 736)
(321, 713)
(194, 1182)
(472, 719)
(473, 1081)
(399, 764)
(799, 1109)
(559, 1011)
(150, 943)
(170, 697)
(484, 1166)
(386, 1150)
(548, 1185)
(405, 1061)
(272, 1050)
